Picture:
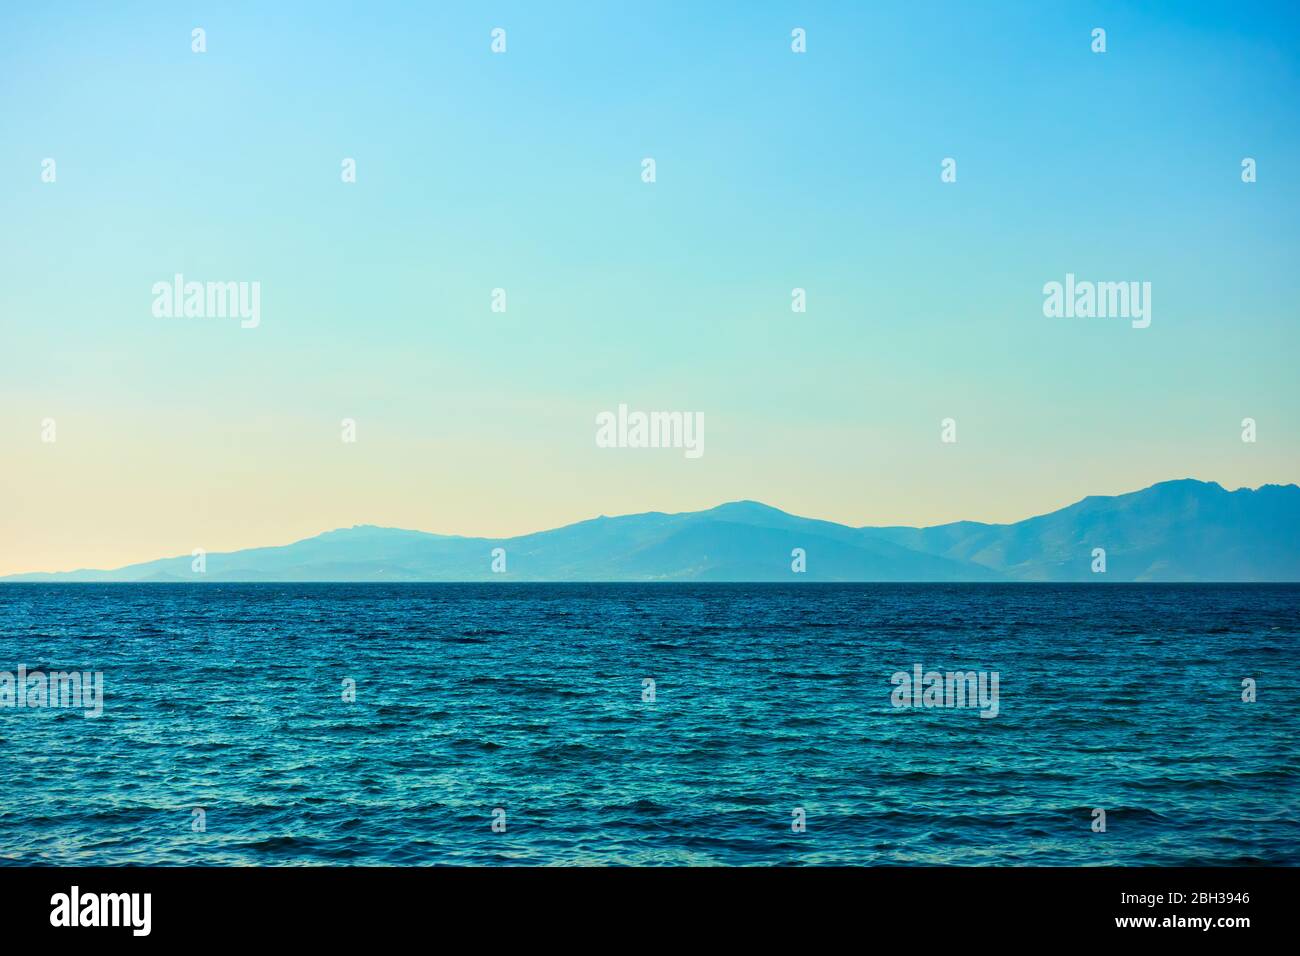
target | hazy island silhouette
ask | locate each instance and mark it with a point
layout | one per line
(1183, 530)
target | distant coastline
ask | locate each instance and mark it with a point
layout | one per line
(1176, 531)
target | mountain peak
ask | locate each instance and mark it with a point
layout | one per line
(1185, 484)
(746, 506)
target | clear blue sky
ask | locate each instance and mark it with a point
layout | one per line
(522, 171)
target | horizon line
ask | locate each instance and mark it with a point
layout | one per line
(635, 514)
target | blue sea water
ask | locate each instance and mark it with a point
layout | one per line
(230, 699)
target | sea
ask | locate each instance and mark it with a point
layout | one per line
(650, 724)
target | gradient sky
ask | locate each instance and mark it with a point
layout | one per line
(522, 171)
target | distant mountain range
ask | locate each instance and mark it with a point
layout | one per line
(1184, 530)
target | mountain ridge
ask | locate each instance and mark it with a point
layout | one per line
(1178, 530)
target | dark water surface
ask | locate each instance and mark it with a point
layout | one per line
(768, 698)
